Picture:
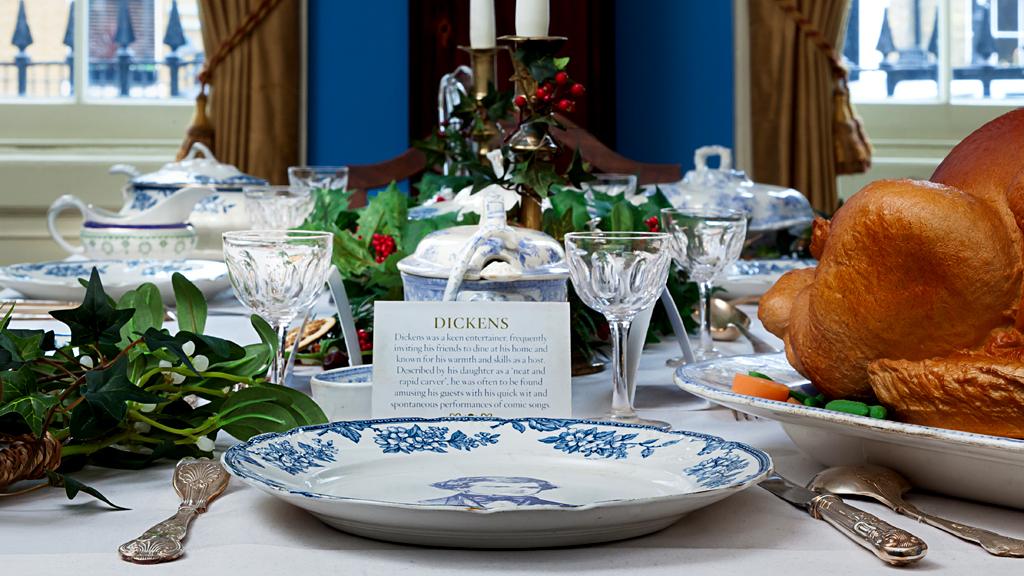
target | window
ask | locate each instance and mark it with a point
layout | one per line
(926, 73)
(72, 105)
(133, 49)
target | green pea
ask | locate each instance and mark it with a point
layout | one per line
(877, 411)
(848, 406)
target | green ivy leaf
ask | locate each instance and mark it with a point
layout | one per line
(32, 408)
(72, 487)
(578, 171)
(189, 303)
(17, 383)
(109, 390)
(88, 421)
(562, 62)
(95, 321)
(20, 346)
(161, 340)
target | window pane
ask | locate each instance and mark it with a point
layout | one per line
(144, 49)
(34, 60)
(892, 49)
(987, 56)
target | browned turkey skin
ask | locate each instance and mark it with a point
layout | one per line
(917, 296)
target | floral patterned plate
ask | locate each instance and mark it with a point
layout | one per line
(58, 280)
(496, 483)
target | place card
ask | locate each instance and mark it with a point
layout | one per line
(506, 359)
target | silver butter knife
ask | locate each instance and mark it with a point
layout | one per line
(197, 482)
(893, 545)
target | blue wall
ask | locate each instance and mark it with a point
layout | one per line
(674, 73)
(358, 84)
(673, 65)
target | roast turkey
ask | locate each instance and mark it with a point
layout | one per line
(915, 281)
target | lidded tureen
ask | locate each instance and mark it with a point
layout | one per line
(489, 262)
(219, 212)
(770, 207)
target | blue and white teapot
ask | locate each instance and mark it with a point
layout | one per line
(221, 211)
(489, 262)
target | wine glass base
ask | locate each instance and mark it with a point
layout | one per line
(637, 420)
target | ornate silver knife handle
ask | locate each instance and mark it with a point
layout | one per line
(993, 543)
(197, 482)
(893, 545)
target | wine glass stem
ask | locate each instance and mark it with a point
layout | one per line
(706, 344)
(279, 369)
(622, 396)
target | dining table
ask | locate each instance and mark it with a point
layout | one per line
(247, 532)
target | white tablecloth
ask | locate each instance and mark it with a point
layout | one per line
(248, 532)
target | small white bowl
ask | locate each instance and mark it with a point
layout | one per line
(344, 393)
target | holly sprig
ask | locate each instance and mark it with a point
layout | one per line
(125, 392)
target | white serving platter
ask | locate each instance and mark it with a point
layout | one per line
(496, 483)
(58, 280)
(755, 277)
(973, 466)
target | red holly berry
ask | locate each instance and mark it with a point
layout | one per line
(652, 224)
(548, 87)
(577, 90)
(439, 198)
(547, 98)
(564, 105)
(540, 93)
(383, 246)
(561, 78)
(520, 101)
(365, 340)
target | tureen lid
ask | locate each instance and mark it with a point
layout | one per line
(205, 170)
(491, 251)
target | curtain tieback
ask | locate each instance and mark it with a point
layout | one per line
(852, 150)
(201, 129)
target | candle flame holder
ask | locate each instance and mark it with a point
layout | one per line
(484, 62)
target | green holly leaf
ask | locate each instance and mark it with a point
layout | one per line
(95, 321)
(32, 409)
(538, 176)
(385, 215)
(109, 390)
(623, 217)
(189, 303)
(498, 105)
(578, 171)
(350, 255)
(72, 487)
(574, 202)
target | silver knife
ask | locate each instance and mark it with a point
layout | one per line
(893, 545)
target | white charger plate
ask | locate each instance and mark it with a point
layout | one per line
(974, 466)
(755, 277)
(496, 483)
(58, 280)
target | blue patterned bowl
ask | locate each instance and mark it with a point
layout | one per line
(496, 483)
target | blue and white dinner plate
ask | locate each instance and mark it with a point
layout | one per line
(58, 280)
(974, 466)
(755, 277)
(472, 482)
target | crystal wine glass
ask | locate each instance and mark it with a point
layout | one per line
(619, 274)
(706, 241)
(277, 207)
(278, 274)
(319, 177)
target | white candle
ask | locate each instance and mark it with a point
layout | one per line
(531, 18)
(481, 24)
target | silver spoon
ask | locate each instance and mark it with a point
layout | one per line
(725, 315)
(888, 487)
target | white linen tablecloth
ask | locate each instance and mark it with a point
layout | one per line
(248, 532)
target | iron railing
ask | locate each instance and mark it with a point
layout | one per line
(26, 78)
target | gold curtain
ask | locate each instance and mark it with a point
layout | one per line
(804, 131)
(255, 92)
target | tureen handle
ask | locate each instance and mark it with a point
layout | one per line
(493, 223)
(59, 205)
(701, 155)
(199, 147)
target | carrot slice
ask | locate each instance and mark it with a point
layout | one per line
(759, 387)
